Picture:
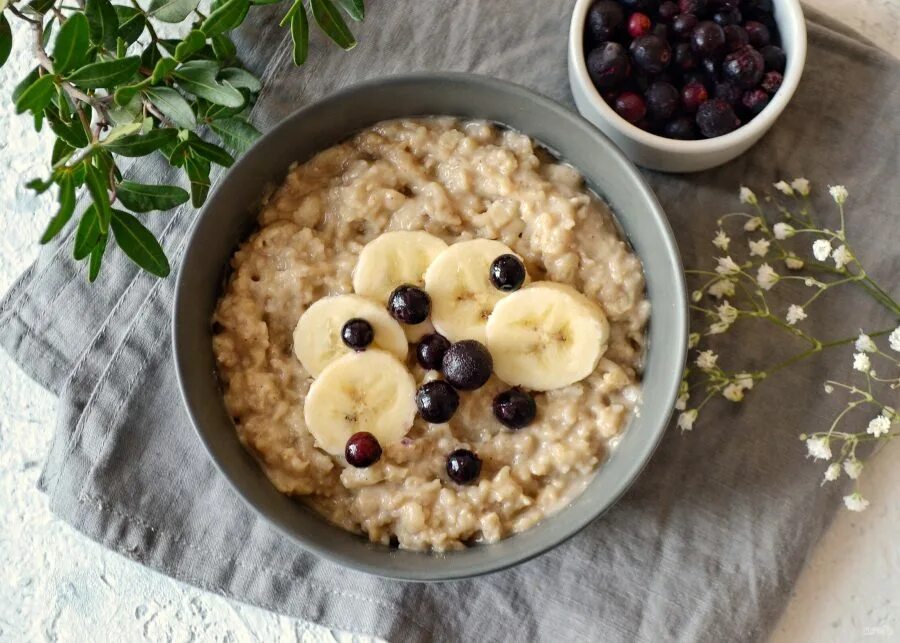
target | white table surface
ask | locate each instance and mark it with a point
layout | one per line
(57, 585)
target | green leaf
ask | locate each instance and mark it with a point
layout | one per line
(172, 10)
(173, 106)
(136, 145)
(210, 152)
(198, 174)
(39, 185)
(354, 8)
(72, 43)
(66, 208)
(61, 150)
(199, 78)
(151, 56)
(194, 41)
(162, 69)
(144, 198)
(121, 131)
(330, 21)
(97, 185)
(179, 154)
(226, 17)
(131, 23)
(72, 133)
(36, 96)
(300, 34)
(223, 48)
(236, 133)
(6, 40)
(107, 73)
(48, 31)
(97, 257)
(25, 83)
(241, 78)
(139, 243)
(39, 7)
(103, 21)
(88, 232)
(260, 3)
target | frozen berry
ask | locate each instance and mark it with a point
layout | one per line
(710, 67)
(608, 65)
(638, 24)
(430, 351)
(707, 38)
(357, 334)
(662, 100)
(692, 96)
(771, 81)
(744, 66)
(630, 106)
(685, 58)
(507, 273)
(604, 19)
(716, 118)
(681, 128)
(514, 408)
(727, 16)
(735, 37)
(660, 30)
(668, 10)
(467, 365)
(409, 305)
(755, 101)
(684, 24)
(362, 450)
(692, 6)
(774, 58)
(651, 53)
(758, 32)
(728, 91)
(437, 401)
(463, 466)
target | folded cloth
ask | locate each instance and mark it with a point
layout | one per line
(707, 543)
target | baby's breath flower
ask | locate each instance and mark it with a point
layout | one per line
(855, 502)
(727, 266)
(733, 392)
(865, 344)
(894, 339)
(818, 448)
(696, 296)
(706, 360)
(861, 362)
(783, 230)
(722, 288)
(841, 257)
(760, 247)
(793, 263)
(693, 340)
(878, 426)
(784, 187)
(821, 249)
(833, 472)
(747, 196)
(717, 328)
(809, 282)
(801, 185)
(853, 468)
(721, 240)
(829, 389)
(744, 380)
(686, 420)
(681, 402)
(753, 224)
(838, 193)
(766, 277)
(795, 314)
(726, 312)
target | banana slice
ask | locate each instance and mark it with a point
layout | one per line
(462, 295)
(546, 336)
(317, 336)
(393, 259)
(369, 391)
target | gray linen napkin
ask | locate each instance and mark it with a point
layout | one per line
(704, 547)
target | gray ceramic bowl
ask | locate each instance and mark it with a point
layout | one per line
(229, 215)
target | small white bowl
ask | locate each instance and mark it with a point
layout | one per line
(671, 155)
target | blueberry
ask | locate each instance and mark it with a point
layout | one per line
(362, 450)
(727, 16)
(716, 118)
(707, 38)
(660, 30)
(683, 24)
(430, 351)
(668, 10)
(357, 334)
(682, 128)
(604, 19)
(755, 101)
(467, 365)
(507, 273)
(692, 96)
(463, 466)
(685, 58)
(774, 58)
(758, 32)
(409, 305)
(735, 37)
(514, 408)
(744, 66)
(638, 24)
(771, 81)
(437, 401)
(710, 67)
(662, 100)
(692, 6)
(651, 53)
(728, 91)
(608, 65)
(630, 106)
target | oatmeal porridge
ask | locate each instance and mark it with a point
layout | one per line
(434, 336)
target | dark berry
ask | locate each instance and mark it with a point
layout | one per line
(710, 67)
(668, 10)
(727, 16)
(685, 58)
(514, 408)
(638, 24)
(774, 58)
(755, 101)
(608, 65)
(604, 19)
(758, 32)
(662, 100)
(463, 466)
(692, 6)
(430, 351)
(357, 334)
(362, 450)
(630, 106)
(707, 38)
(660, 30)
(682, 128)
(728, 91)
(684, 24)
(437, 401)
(771, 81)
(644, 6)
(467, 365)
(692, 96)
(507, 273)
(744, 66)
(651, 53)
(409, 305)
(735, 37)
(716, 118)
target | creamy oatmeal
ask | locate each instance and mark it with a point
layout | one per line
(457, 181)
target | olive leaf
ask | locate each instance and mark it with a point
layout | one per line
(103, 21)
(236, 133)
(139, 243)
(173, 106)
(105, 73)
(199, 78)
(66, 208)
(137, 145)
(36, 96)
(354, 8)
(241, 78)
(172, 10)
(330, 21)
(88, 233)
(226, 17)
(193, 42)
(198, 174)
(6, 40)
(97, 186)
(299, 33)
(210, 152)
(97, 257)
(144, 198)
(72, 42)
(131, 23)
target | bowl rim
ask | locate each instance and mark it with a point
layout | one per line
(795, 22)
(633, 468)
